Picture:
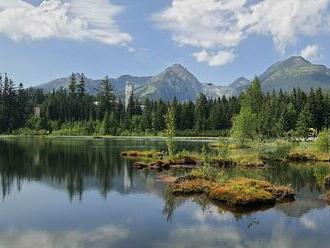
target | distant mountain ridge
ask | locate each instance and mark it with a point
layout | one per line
(295, 72)
(177, 81)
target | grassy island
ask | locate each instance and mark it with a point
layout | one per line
(239, 192)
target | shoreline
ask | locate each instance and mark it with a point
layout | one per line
(200, 139)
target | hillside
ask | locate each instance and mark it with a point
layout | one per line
(177, 81)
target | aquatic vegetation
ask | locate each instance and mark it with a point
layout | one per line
(192, 187)
(279, 152)
(308, 152)
(146, 154)
(237, 192)
(322, 142)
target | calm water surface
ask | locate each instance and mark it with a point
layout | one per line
(81, 193)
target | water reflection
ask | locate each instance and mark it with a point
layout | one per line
(106, 236)
(112, 205)
(74, 165)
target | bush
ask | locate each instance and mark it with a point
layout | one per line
(280, 152)
(323, 141)
(30, 132)
(72, 129)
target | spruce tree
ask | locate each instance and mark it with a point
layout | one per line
(106, 97)
(72, 84)
(105, 128)
(201, 113)
(81, 86)
(170, 130)
(304, 122)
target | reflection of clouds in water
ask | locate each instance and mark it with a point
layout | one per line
(203, 236)
(229, 235)
(280, 237)
(212, 213)
(308, 222)
(106, 236)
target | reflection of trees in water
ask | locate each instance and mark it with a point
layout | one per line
(299, 176)
(306, 179)
(63, 163)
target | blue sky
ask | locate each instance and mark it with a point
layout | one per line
(217, 40)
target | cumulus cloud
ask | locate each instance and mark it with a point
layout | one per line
(217, 27)
(311, 52)
(106, 236)
(214, 59)
(70, 19)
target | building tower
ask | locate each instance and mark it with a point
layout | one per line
(129, 90)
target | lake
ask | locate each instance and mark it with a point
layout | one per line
(81, 193)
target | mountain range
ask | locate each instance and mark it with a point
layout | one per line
(177, 81)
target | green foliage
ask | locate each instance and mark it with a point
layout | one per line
(304, 123)
(323, 141)
(252, 115)
(275, 153)
(170, 131)
(108, 125)
(224, 151)
(253, 98)
(245, 125)
(72, 84)
(72, 129)
(33, 123)
(30, 132)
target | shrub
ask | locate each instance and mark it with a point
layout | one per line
(323, 141)
(279, 152)
(30, 132)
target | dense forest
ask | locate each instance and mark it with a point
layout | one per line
(74, 112)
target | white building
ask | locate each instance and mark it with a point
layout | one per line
(129, 90)
(37, 111)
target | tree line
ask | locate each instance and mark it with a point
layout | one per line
(72, 111)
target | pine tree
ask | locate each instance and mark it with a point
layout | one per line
(288, 118)
(105, 128)
(81, 86)
(147, 115)
(201, 113)
(170, 131)
(253, 97)
(106, 97)
(72, 84)
(304, 122)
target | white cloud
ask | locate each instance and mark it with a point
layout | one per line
(218, 26)
(131, 49)
(311, 52)
(214, 59)
(70, 19)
